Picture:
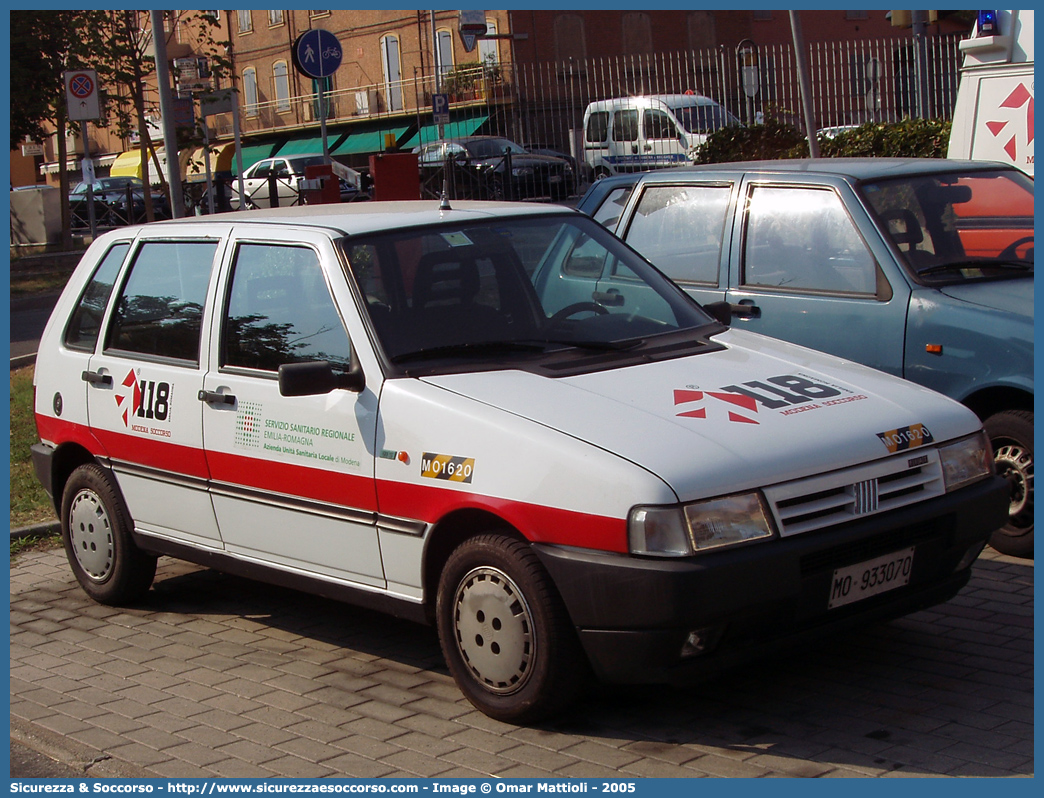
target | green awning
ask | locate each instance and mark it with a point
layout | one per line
(311, 145)
(252, 154)
(367, 141)
(454, 130)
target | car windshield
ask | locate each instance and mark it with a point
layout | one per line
(491, 148)
(959, 226)
(494, 293)
(703, 118)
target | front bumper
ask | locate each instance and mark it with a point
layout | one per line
(634, 615)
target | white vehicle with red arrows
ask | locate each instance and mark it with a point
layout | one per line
(426, 410)
(993, 117)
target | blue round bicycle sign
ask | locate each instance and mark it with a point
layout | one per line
(317, 53)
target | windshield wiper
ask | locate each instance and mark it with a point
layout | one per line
(534, 345)
(475, 348)
(976, 263)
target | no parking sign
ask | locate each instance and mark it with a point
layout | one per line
(81, 94)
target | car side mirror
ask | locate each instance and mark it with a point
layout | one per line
(317, 377)
(721, 311)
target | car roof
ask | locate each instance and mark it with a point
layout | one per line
(368, 217)
(858, 169)
(649, 99)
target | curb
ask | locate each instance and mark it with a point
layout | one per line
(41, 530)
(92, 762)
(21, 361)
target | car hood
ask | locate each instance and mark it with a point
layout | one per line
(1009, 296)
(685, 420)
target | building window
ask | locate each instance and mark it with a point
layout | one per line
(281, 86)
(489, 53)
(250, 91)
(444, 51)
(318, 13)
(275, 18)
(570, 40)
(636, 33)
(392, 69)
(246, 22)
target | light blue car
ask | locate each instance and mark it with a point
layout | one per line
(920, 268)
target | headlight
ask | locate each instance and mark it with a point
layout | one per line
(968, 460)
(688, 529)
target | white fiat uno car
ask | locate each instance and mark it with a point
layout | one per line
(429, 411)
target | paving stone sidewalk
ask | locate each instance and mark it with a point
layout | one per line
(219, 676)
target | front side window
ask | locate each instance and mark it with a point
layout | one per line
(85, 324)
(280, 311)
(680, 230)
(160, 310)
(803, 239)
(657, 125)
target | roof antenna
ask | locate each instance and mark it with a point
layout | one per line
(444, 204)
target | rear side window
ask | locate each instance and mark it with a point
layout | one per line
(598, 126)
(280, 311)
(160, 310)
(680, 230)
(625, 125)
(85, 324)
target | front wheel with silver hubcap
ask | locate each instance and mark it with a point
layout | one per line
(96, 529)
(1011, 435)
(504, 632)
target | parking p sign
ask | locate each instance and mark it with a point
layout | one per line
(440, 109)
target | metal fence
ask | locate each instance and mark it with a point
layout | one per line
(852, 83)
(542, 105)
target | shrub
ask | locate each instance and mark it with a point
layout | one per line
(751, 143)
(908, 138)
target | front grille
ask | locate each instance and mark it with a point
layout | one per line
(805, 505)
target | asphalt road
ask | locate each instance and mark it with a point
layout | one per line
(28, 317)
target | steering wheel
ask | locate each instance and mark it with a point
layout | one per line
(1010, 250)
(577, 307)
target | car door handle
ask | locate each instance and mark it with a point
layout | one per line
(97, 378)
(612, 297)
(746, 309)
(213, 397)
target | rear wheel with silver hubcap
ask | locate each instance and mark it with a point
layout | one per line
(96, 531)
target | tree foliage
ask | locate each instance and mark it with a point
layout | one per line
(44, 44)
